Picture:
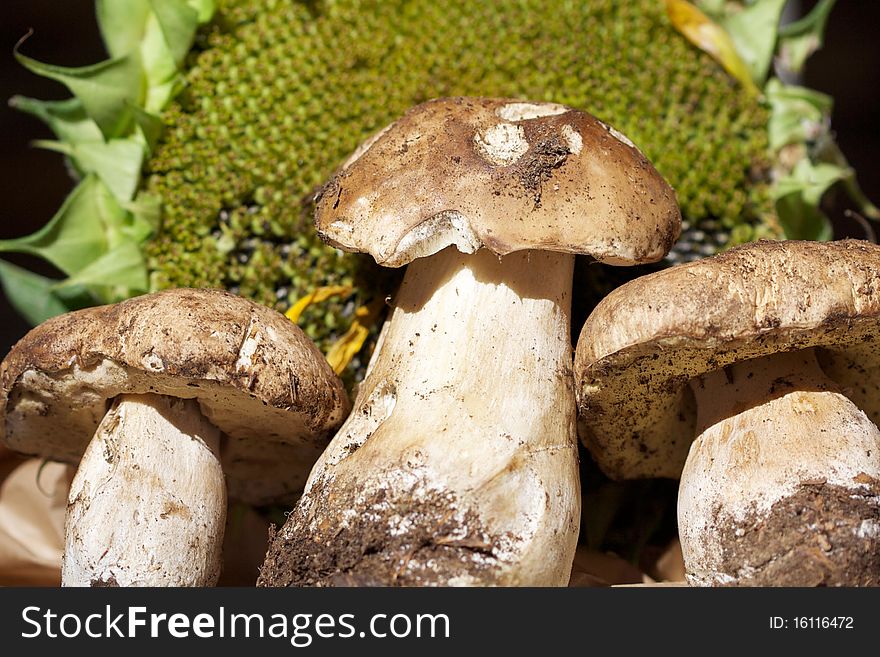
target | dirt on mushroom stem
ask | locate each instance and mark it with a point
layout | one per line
(396, 538)
(815, 537)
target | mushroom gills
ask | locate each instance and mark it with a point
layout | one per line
(147, 506)
(782, 485)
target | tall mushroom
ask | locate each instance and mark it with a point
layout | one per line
(458, 464)
(160, 396)
(745, 374)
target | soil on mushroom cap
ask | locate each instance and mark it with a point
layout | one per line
(816, 537)
(548, 151)
(391, 539)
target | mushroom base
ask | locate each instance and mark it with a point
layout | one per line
(409, 538)
(147, 506)
(822, 535)
(782, 486)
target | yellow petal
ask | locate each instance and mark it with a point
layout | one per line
(317, 296)
(710, 38)
(343, 350)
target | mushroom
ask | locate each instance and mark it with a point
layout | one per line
(160, 396)
(753, 376)
(458, 464)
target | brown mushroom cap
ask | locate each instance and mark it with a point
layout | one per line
(502, 174)
(255, 374)
(648, 338)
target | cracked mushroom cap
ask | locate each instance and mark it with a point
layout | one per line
(502, 174)
(649, 337)
(256, 376)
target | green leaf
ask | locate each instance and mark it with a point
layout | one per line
(146, 216)
(116, 162)
(711, 38)
(713, 8)
(105, 131)
(797, 114)
(35, 296)
(178, 22)
(829, 152)
(122, 268)
(137, 230)
(754, 30)
(810, 180)
(163, 75)
(122, 24)
(79, 231)
(150, 126)
(66, 118)
(800, 39)
(798, 195)
(161, 93)
(169, 35)
(204, 8)
(802, 221)
(105, 89)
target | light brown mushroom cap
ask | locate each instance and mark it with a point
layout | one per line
(648, 338)
(502, 174)
(255, 374)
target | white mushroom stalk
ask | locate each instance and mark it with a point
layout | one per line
(460, 453)
(147, 506)
(784, 467)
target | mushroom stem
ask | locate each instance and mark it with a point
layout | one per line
(147, 506)
(458, 464)
(782, 485)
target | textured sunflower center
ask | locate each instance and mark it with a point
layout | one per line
(281, 92)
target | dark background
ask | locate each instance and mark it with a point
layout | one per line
(33, 182)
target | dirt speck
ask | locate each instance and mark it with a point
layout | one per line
(104, 583)
(170, 508)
